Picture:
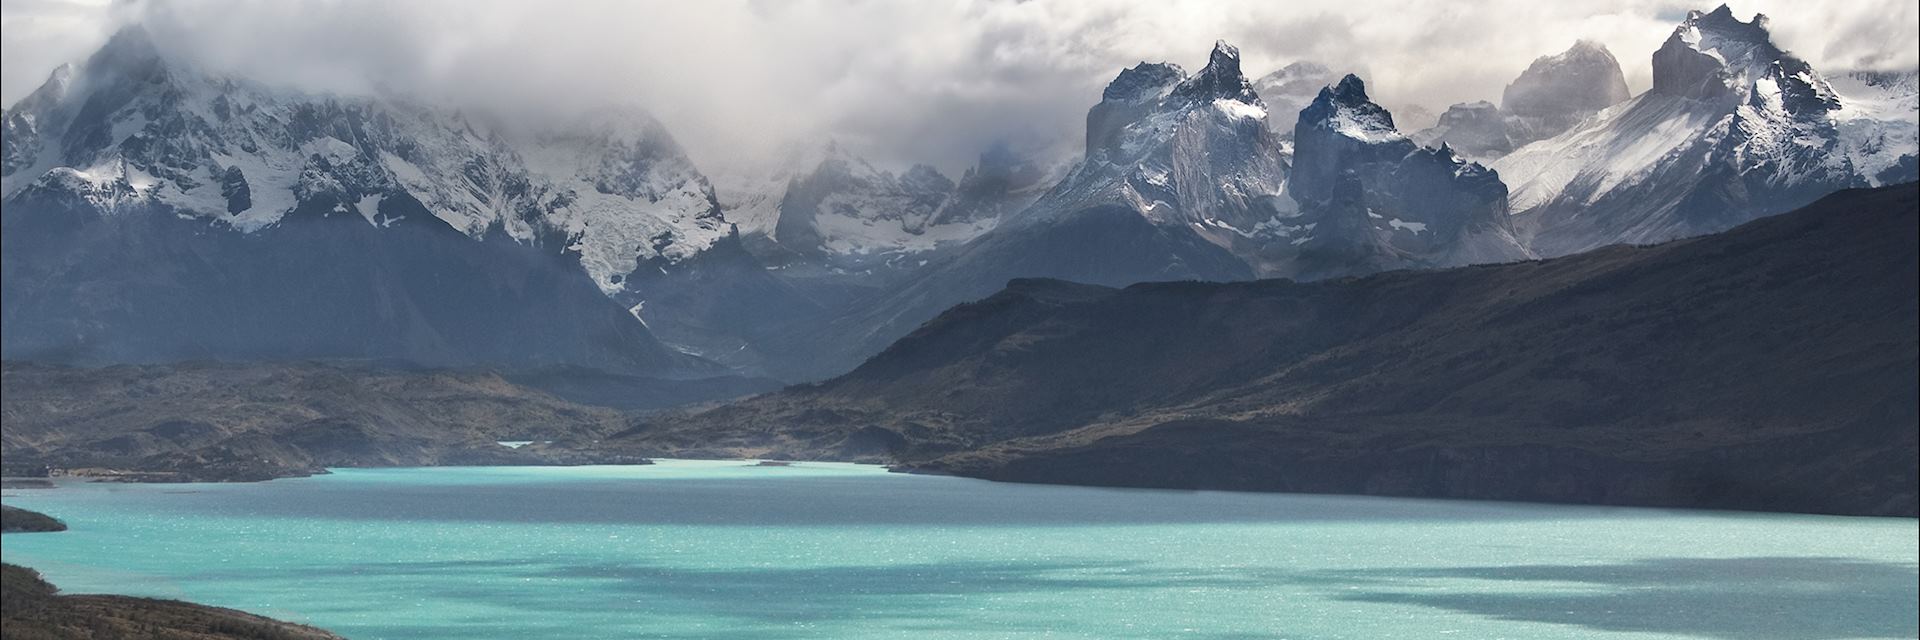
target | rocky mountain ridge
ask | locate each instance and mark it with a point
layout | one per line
(1712, 372)
(1733, 129)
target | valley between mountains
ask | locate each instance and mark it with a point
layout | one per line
(1701, 295)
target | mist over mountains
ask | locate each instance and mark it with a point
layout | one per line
(1293, 261)
(159, 212)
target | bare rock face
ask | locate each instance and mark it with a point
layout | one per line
(1131, 95)
(1371, 198)
(1557, 92)
(1733, 129)
(1474, 129)
(1180, 150)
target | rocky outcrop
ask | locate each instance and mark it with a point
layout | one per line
(17, 520)
(35, 609)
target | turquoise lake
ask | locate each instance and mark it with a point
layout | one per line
(712, 549)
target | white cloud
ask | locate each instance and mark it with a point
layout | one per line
(903, 81)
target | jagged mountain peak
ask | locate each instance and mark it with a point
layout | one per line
(1221, 78)
(1585, 47)
(1006, 179)
(1715, 56)
(1714, 29)
(925, 178)
(132, 42)
(609, 185)
(1554, 93)
(1145, 105)
(1477, 129)
(1144, 82)
(129, 59)
(59, 79)
(1567, 86)
(1352, 93)
(1303, 78)
(623, 123)
(1350, 89)
(1722, 16)
(1584, 54)
(1345, 108)
(1733, 128)
(848, 214)
(1224, 53)
(1302, 68)
(1372, 199)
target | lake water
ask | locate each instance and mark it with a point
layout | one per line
(687, 549)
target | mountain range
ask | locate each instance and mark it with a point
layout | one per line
(1553, 95)
(1733, 129)
(1770, 367)
(1263, 283)
(157, 213)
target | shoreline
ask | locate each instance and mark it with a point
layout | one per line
(903, 469)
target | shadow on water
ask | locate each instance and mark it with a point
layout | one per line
(1733, 598)
(776, 602)
(1757, 598)
(854, 501)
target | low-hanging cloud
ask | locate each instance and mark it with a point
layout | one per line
(925, 81)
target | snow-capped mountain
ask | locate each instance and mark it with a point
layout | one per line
(750, 188)
(134, 156)
(1553, 95)
(824, 205)
(154, 211)
(847, 207)
(1733, 129)
(612, 186)
(1183, 179)
(1294, 86)
(1878, 120)
(1177, 167)
(1371, 199)
(1181, 151)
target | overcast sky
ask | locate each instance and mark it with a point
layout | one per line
(901, 81)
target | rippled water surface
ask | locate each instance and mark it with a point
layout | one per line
(688, 549)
